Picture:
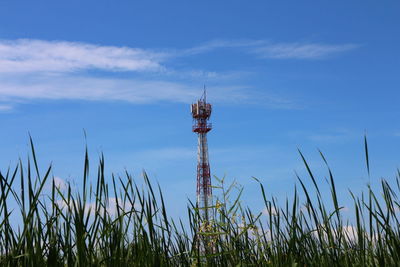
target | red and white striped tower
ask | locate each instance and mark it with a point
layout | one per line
(201, 112)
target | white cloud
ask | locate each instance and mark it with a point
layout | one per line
(345, 209)
(221, 44)
(110, 209)
(67, 87)
(350, 232)
(4, 107)
(60, 183)
(266, 211)
(53, 70)
(301, 50)
(58, 70)
(269, 49)
(27, 55)
(59, 56)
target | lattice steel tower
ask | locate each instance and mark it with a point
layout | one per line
(201, 112)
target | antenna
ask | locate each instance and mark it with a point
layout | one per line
(204, 95)
(201, 112)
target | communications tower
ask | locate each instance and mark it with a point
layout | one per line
(201, 112)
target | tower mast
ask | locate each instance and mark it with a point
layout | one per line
(201, 112)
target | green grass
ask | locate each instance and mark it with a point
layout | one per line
(124, 224)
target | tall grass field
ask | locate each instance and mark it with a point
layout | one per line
(121, 223)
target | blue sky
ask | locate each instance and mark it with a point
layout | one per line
(280, 76)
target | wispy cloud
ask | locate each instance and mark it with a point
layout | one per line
(221, 44)
(28, 55)
(301, 50)
(56, 70)
(275, 50)
(5, 107)
(74, 87)
(58, 56)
